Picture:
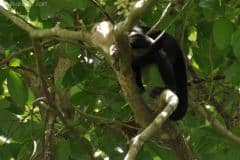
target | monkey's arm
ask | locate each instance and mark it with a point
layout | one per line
(138, 64)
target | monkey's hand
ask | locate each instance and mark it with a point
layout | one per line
(156, 91)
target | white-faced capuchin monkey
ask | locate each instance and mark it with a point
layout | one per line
(164, 52)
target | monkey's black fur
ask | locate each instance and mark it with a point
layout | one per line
(167, 55)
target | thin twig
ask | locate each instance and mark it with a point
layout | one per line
(216, 124)
(206, 80)
(50, 99)
(23, 68)
(45, 44)
(98, 119)
(173, 20)
(160, 19)
(103, 11)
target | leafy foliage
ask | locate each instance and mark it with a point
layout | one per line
(17, 88)
(209, 34)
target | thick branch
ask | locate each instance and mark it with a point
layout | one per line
(117, 52)
(62, 33)
(134, 16)
(172, 100)
(20, 22)
(41, 72)
(50, 116)
(126, 79)
(125, 75)
(37, 33)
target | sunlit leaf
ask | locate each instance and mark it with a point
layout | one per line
(17, 88)
(63, 150)
(222, 33)
(233, 73)
(236, 43)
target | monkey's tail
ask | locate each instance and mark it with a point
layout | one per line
(180, 72)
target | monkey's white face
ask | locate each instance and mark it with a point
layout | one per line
(104, 28)
(102, 35)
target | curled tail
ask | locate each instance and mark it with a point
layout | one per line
(181, 87)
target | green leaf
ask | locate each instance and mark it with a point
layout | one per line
(76, 74)
(4, 104)
(7, 152)
(18, 6)
(236, 43)
(192, 34)
(83, 4)
(154, 78)
(17, 88)
(78, 151)
(25, 152)
(70, 50)
(66, 19)
(109, 140)
(69, 4)
(83, 99)
(222, 33)
(63, 150)
(3, 75)
(34, 12)
(232, 74)
(6, 121)
(208, 4)
(47, 11)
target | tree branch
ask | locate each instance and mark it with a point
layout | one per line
(50, 116)
(41, 33)
(125, 75)
(50, 99)
(133, 17)
(19, 21)
(102, 120)
(172, 21)
(171, 100)
(216, 124)
(160, 19)
(62, 33)
(213, 121)
(102, 10)
(45, 44)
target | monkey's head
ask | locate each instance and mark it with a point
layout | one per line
(103, 35)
